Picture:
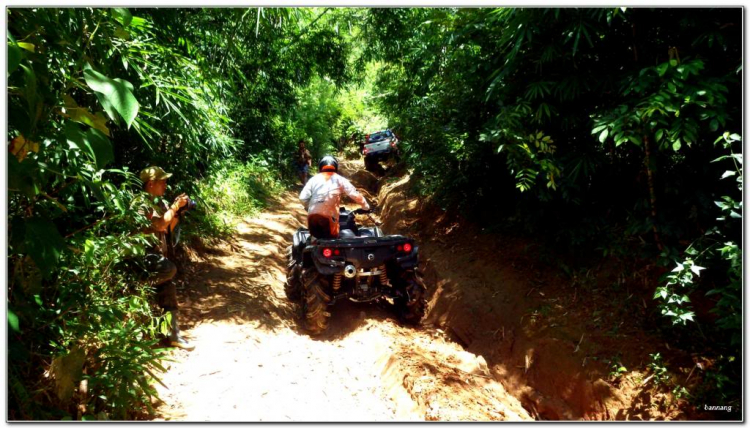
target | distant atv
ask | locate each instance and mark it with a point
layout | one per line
(378, 147)
(362, 265)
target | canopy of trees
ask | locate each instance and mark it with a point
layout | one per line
(607, 129)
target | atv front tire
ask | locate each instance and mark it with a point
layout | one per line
(411, 306)
(314, 302)
(293, 284)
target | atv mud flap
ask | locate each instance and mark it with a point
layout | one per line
(409, 261)
(328, 267)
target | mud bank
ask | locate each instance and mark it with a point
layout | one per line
(533, 331)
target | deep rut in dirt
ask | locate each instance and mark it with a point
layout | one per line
(253, 362)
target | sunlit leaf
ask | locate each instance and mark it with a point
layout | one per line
(122, 15)
(662, 68)
(603, 135)
(28, 46)
(84, 116)
(13, 321)
(113, 93)
(14, 57)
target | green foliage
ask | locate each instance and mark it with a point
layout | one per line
(113, 94)
(231, 192)
(590, 128)
(721, 382)
(95, 95)
(658, 369)
(719, 250)
(616, 368)
(673, 300)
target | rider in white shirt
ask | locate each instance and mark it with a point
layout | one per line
(321, 197)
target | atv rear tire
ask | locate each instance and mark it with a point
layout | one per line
(411, 307)
(314, 302)
(293, 284)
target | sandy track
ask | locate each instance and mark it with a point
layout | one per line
(254, 363)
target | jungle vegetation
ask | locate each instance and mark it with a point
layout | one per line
(608, 133)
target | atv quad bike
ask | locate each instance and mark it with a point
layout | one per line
(362, 265)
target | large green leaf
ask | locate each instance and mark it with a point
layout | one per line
(44, 244)
(14, 57)
(122, 15)
(92, 142)
(113, 94)
(101, 147)
(14, 54)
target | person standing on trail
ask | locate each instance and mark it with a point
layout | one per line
(303, 161)
(321, 196)
(161, 270)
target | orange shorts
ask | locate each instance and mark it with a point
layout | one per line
(322, 226)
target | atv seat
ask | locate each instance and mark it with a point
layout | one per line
(346, 234)
(369, 232)
(362, 232)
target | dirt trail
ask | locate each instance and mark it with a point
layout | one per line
(253, 362)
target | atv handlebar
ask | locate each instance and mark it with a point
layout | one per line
(362, 211)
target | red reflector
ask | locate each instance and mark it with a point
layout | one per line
(407, 247)
(336, 252)
(365, 151)
(393, 144)
(327, 252)
(401, 248)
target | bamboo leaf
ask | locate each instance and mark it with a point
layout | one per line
(603, 135)
(14, 58)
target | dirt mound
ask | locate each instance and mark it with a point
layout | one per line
(532, 326)
(451, 385)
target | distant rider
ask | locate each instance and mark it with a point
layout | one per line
(321, 197)
(303, 161)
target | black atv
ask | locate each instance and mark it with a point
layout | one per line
(361, 265)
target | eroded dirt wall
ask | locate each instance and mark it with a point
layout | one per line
(499, 302)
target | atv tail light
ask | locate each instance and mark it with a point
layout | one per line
(365, 151)
(336, 252)
(393, 144)
(405, 248)
(327, 252)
